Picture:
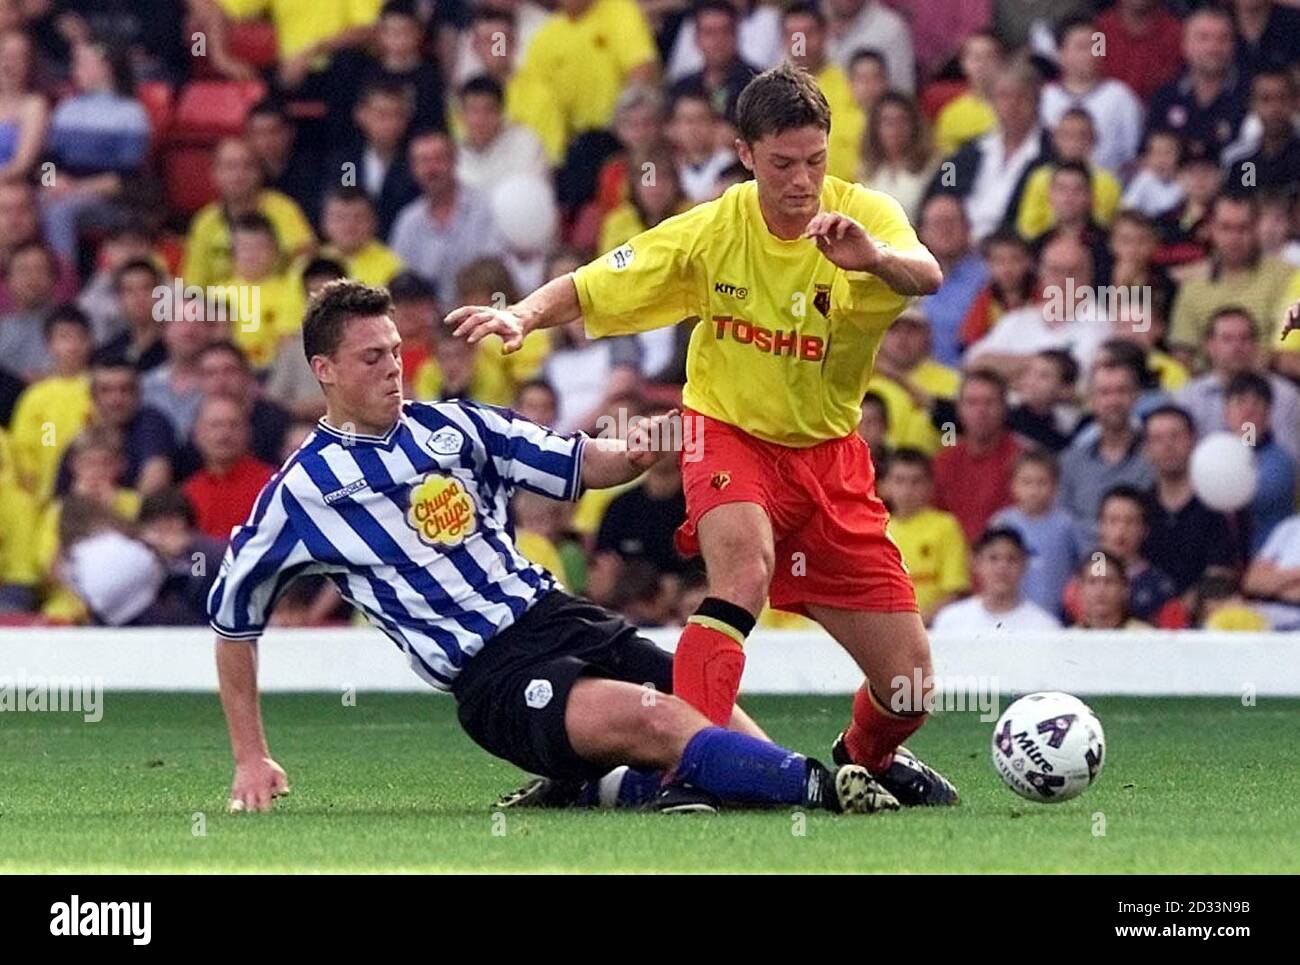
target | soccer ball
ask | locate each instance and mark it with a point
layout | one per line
(1048, 747)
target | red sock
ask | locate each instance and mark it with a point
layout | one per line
(709, 660)
(876, 732)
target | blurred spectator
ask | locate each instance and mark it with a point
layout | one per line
(1103, 593)
(1274, 575)
(693, 130)
(1221, 606)
(224, 371)
(237, 177)
(265, 302)
(1185, 230)
(640, 124)
(536, 401)
(1062, 317)
(377, 160)
(896, 157)
(585, 54)
(1070, 212)
(492, 148)
(19, 513)
(931, 541)
(23, 114)
(173, 387)
(854, 24)
(588, 373)
(290, 381)
(224, 490)
(1268, 35)
(805, 28)
(654, 194)
(541, 526)
(758, 34)
(640, 522)
(1275, 161)
(973, 477)
(1232, 347)
(1116, 113)
(970, 114)
(1207, 102)
(1143, 45)
(109, 577)
(1233, 275)
(643, 595)
(20, 226)
(416, 315)
(54, 409)
(873, 427)
(1131, 260)
(945, 231)
(1155, 189)
(999, 606)
(1248, 402)
(1011, 285)
(1275, 232)
(148, 442)
(1045, 413)
(273, 137)
(449, 225)
(1186, 537)
(167, 525)
(348, 225)
(124, 296)
(398, 61)
(1093, 466)
(30, 277)
(989, 172)
(868, 77)
(723, 72)
(98, 140)
(910, 382)
(1040, 204)
(1050, 537)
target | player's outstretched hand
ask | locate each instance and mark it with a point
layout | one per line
(257, 784)
(843, 241)
(476, 322)
(649, 440)
(1292, 320)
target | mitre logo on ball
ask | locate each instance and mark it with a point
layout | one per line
(442, 511)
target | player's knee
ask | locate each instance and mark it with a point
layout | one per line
(745, 581)
(670, 725)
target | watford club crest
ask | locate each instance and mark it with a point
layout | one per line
(720, 480)
(442, 512)
(822, 300)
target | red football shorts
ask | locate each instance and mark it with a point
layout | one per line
(828, 522)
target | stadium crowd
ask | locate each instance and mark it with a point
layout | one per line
(1112, 190)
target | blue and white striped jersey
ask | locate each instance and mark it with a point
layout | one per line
(413, 528)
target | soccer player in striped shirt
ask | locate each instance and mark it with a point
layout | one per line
(791, 281)
(404, 506)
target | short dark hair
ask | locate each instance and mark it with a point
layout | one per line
(333, 307)
(407, 286)
(349, 194)
(1169, 409)
(1249, 383)
(1038, 457)
(1067, 366)
(1230, 311)
(399, 8)
(65, 314)
(988, 377)
(1003, 236)
(1130, 493)
(781, 99)
(225, 345)
(485, 85)
(322, 266)
(134, 265)
(537, 382)
(384, 88)
(167, 503)
(258, 222)
(806, 9)
(270, 106)
(868, 53)
(714, 6)
(1071, 24)
(874, 398)
(907, 456)
(1073, 167)
(1001, 534)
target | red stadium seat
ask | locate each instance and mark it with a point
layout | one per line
(938, 93)
(253, 42)
(208, 110)
(156, 96)
(187, 177)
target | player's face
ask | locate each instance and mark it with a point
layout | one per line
(363, 378)
(789, 168)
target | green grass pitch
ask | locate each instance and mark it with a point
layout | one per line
(391, 784)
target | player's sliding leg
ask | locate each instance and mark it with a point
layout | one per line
(609, 721)
(893, 652)
(736, 543)
(623, 787)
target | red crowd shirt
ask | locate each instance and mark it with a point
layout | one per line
(223, 502)
(1144, 63)
(973, 487)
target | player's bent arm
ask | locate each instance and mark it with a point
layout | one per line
(612, 462)
(914, 272)
(555, 303)
(258, 779)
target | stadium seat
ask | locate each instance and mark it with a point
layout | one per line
(208, 110)
(253, 42)
(936, 94)
(157, 98)
(187, 177)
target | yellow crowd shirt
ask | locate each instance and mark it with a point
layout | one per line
(207, 248)
(301, 23)
(934, 550)
(49, 415)
(785, 341)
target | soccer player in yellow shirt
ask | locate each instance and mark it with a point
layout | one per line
(792, 279)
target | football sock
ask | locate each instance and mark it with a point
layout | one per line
(623, 787)
(744, 769)
(709, 660)
(876, 731)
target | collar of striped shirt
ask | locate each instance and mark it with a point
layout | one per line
(355, 437)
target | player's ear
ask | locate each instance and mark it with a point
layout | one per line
(745, 154)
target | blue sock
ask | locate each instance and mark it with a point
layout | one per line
(744, 769)
(623, 787)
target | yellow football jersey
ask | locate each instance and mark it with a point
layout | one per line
(785, 341)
